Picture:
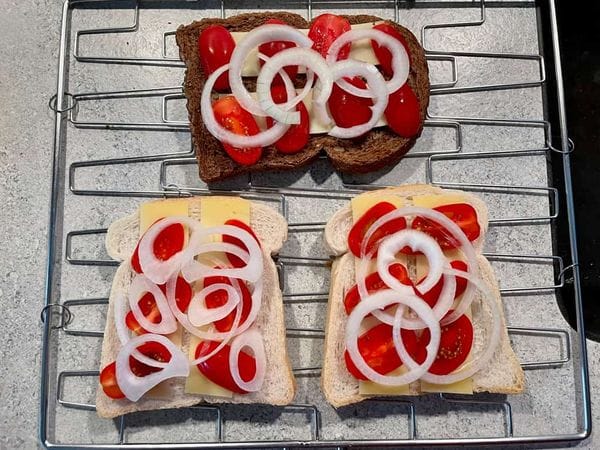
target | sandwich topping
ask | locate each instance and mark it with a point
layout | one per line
(401, 328)
(347, 96)
(173, 285)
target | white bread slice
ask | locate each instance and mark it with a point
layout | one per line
(338, 227)
(503, 373)
(279, 385)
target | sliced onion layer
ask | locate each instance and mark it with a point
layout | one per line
(139, 286)
(133, 386)
(252, 340)
(200, 315)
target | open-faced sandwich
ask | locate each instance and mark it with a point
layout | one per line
(270, 91)
(414, 306)
(195, 310)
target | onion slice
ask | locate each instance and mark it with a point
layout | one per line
(256, 37)
(133, 386)
(400, 61)
(380, 300)
(200, 315)
(139, 286)
(251, 339)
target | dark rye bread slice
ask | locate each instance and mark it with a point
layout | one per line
(378, 149)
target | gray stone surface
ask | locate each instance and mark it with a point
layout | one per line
(27, 80)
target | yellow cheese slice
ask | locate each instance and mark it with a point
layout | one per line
(360, 50)
(196, 382)
(432, 201)
(370, 388)
(150, 212)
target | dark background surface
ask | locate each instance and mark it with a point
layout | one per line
(579, 32)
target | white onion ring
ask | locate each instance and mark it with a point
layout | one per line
(139, 286)
(376, 84)
(120, 313)
(400, 61)
(471, 367)
(261, 139)
(301, 56)
(251, 339)
(133, 386)
(199, 315)
(256, 37)
(380, 300)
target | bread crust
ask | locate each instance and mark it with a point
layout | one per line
(380, 148)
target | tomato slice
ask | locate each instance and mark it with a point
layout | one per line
(349, 110)
(183, 297)
(455, 345)
(108, 375)
(463, 214)
(234, 260)
(374, 283)
(219, 298)
(230, 114)
(384, 56)
(296, 137)
(432, 296)
(377, 348)
(362, 225)
(217, 369)
(215, 46)
(271, 48)
(168, 242)
(324, 30)
(403, 112)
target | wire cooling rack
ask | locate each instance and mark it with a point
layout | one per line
(122, 134)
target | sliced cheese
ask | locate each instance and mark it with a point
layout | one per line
(150, 212)
(370, 388)
(360, 50)
(363, 202)
(432, 201)
(196, 382)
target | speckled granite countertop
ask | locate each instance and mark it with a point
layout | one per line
(27, 80)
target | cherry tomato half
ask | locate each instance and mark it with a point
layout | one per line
(230, 114)
(108, 380)
(349, 110)
(296, 137)
(217, 369)
(374, 283)
(215, 46)
(463, 214)
(455, 345)
(271, 48)
(403, 113)
(219, 298)
(324, 30)
(168, 242)
(362, 225)
(377, 348)
(384, 56)
(432, 296)
(234, 260)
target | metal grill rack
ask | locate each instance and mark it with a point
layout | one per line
(104, 166)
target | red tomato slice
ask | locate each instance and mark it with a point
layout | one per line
(433, 295)
(324, 30)
(455, 345)
(108, 375)
(296, 137)
(463, 214)
(403, 112)
(215, 46)
(377, 348)
(382, 53)
(217, 369)
(349, 110)
(168, 242)
(236, 119)
(183, 297)
(362, 225)
(234, 260)
(219, 298)
(271, 48)
(373, 284)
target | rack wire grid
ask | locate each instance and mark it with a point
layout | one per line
(122, 135)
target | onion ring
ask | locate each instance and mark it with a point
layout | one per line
(253, 340)
(140, 285)
(199, 315)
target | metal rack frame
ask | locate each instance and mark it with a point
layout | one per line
(57, 315)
